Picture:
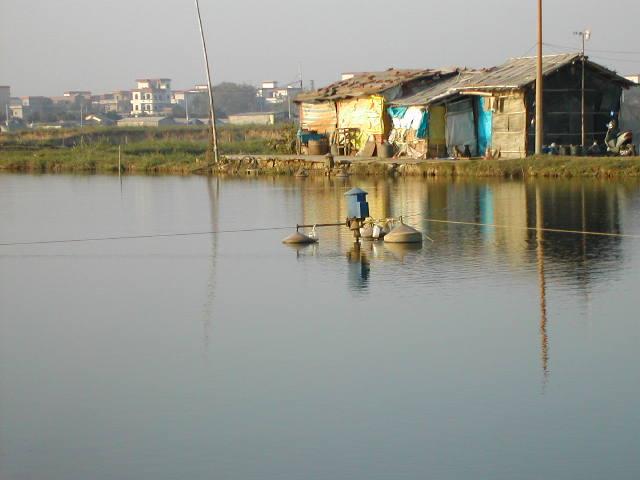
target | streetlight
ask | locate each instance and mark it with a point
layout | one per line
(586, 35)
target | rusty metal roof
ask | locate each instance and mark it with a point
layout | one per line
(365, 84)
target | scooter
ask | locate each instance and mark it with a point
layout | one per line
(617, 142)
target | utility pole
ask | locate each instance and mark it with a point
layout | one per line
(539, 97)
(586, 35)
(186, 107)
(6, 107)
(212, 114)
(81, 115)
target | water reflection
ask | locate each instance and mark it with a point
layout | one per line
(544, 348)
(359, 266)
(574, 205)
(213, 193)
(522, 210)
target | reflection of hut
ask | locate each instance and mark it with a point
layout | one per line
(493, 110)
(356, 107)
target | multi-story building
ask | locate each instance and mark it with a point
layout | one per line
(270, 93)
(74, 102)
(33, 108)
(194, 101)
(151, 97)
(116, 102)
(5, 100)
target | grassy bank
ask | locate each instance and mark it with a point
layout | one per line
(180, 150)
(539, 166)
(182, 157)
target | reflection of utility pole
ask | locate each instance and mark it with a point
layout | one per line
(542, 286)
(214, 201)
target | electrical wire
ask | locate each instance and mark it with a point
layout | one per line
(535, 229)
(143, 236)
(267, 229)
(600, 57)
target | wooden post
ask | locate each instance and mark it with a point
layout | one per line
(212, 114)
(539, 96)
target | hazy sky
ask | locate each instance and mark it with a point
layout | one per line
(49, 46)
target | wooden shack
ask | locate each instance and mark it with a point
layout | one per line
(359, 103)
(500, 102)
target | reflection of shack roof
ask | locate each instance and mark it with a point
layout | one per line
(514, 74)
(365, 84)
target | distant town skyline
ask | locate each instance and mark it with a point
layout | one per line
(47, 48)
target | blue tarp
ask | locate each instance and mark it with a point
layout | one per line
(397, 112)
(485, 117)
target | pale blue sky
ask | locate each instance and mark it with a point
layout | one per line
(49, 46)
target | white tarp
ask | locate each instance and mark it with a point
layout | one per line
(461, 128)
(630, 112)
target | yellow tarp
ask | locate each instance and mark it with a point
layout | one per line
(437, 130)
(367, 114)
(437, 125)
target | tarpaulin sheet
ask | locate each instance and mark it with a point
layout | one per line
(484, 124)
(461, 130)
(365, 114)
(630, 112)
(320, 117)
(415, 118)
(437, 125)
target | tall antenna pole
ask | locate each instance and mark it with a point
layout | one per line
(539, 97)
(212, 114)
(584, 132)
(585, 34)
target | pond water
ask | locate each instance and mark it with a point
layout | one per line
(500, 353)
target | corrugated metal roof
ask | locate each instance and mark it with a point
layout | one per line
(520, 72)
(513, 74)
(366, 84)
(439, 89)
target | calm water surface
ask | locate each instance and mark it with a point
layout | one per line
(491, 353)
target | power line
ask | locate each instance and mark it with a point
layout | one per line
(138, 237)
(626, 60)
(267, 229)
(613, 52)
(550, 230)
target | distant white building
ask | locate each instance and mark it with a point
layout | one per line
(256, 118)
(146, 121)
(272, 94)
(151, 97)
(633, 78)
